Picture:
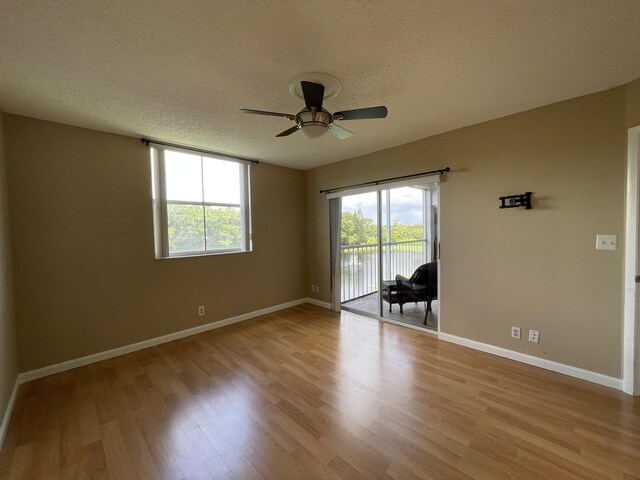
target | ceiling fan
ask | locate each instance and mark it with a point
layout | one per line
(315, 121)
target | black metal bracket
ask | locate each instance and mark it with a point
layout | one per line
(513, 201)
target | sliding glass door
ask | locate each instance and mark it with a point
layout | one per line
(409, 241)
(388, 234)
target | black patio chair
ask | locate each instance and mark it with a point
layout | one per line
(421, 287)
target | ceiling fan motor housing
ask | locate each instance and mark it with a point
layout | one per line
(313, 117)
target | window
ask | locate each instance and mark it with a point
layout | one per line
(201, 204)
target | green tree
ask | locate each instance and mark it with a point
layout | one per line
(357, 229)
(186, 228)
(360, 230)
(404, 233)
(224, 228)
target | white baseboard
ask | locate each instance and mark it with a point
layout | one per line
(97, 357)
(576, 372)
(8, 411)
(408, 325)
(319, 303)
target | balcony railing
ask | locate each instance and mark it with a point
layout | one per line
(359, 266)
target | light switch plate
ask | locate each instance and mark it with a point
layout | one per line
(606, 242)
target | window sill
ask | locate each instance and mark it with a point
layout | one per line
(202, 254)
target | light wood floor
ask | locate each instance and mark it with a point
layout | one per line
(305, 393)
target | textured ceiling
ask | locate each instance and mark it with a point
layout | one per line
(181, 71)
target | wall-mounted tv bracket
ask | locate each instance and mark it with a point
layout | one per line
(513, 201)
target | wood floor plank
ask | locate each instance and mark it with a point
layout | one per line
(306, 393)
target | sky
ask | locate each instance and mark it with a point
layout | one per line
(406, 205)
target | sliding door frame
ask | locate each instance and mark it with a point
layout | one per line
(418, 181)
(380, 256)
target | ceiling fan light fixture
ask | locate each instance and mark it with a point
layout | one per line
(314, 123)
(314, 129)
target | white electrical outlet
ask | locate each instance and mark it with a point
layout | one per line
(515, 332)
(201, 311)
(313, 288)
(534, 336)
(317, 288)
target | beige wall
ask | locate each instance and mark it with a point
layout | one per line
(8, 352)
(536, 269)
(86, 278)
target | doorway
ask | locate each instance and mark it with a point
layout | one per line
(631, 330)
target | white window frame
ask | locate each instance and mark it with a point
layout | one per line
(160, 202)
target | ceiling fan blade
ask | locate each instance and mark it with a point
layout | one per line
(313, 94)
(289, 131)
(271, 114)
(339, 132)
(362, 113)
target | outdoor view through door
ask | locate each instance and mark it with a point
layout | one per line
(374, 260)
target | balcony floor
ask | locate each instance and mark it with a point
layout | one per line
(413, 313)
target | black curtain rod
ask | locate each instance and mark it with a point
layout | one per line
(386, 180)
(199, 150)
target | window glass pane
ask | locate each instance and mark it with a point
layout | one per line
(186, 228)
(221, 181)
(224, 228)
(408, 248)
(407, 214)
(183, 174)
(360, 219)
